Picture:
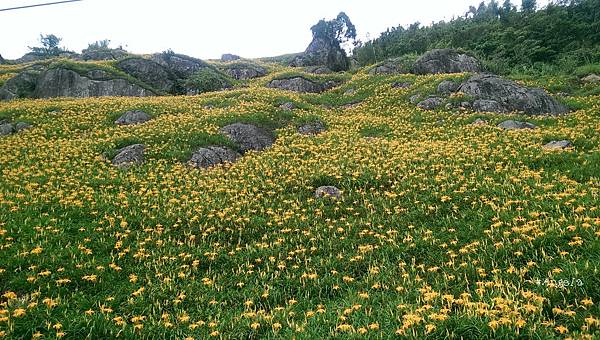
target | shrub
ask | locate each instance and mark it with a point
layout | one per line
(208, 79)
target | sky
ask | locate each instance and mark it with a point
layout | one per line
(207, 29)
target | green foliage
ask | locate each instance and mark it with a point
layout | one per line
(50, 46)
(98, 45)
(209, 79)
(336, 31)
(562, 34)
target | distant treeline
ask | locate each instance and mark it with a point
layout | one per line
(563, 35)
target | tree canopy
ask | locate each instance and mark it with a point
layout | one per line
(336, 31)
(50, 46)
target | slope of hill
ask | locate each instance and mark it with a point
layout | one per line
(445, 227)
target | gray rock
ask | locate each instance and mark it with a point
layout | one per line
(6, 129)
(415, 98)
(328, 192)
(297, 84)
(591, 78)
(20, 126)
(30, 57)
(60, 82)
(245, 72)
(390, 66)
(485, 105)
(248, 137)
(103, 54)
(148, 71)
(479, 121)
(2, 61)
(312, 128)
(431, 103)
(288, 106)
(179, 65)
(349, 92)
(319, 70)
(20, 86)
(133, 117)
(213, 155)
(129, 155)
(558, 145)
(510, 96)
(323, 52)
(445, 61)
(466, 105)
(400, 85)
(446, 87)
(351, 105)
(516, 125)
(229, 57)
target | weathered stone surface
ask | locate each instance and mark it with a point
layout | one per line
(148, 71)
(400, 85)
(213, 155)
(312, 128)
(414, 99)
(248, 137)
(30, 57)
(245, 72)
(103, 54)
(390, 66)
(229, 57)
(319, 70)
(288, 106)
(510, 96)
(558, 145)
(591, 78)
(516, 125)
(328, 192)
(445, 61)
(446, 87)
(349, 92)
(479, 122)
(133, 117)
(20, 86)
(431, 103)
(2, 61)
(20, 126)
(485, 105)
(6, 129)
(297, 84)
(60, 82)
(322, 52)
(129, 155)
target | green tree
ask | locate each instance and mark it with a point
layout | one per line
(528, 6)
(50, 46)
(337, 31)
(99, 45)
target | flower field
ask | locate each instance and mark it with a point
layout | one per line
(445, 229)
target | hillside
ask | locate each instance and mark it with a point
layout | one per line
(447, 225)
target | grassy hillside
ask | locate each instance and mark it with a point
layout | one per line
(445, 229)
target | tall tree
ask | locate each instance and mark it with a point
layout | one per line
(49, 46)
(528, 6)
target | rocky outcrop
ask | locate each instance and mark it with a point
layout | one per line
(133, 118)
(322, 52)
(61, 82)
(103, 54)
(431, 103)
(300, 84)
(495, 94)
(445, 61)
(248, 137)
(558, 145)
(312, 128)
(229, 57)
(319, 70)
(2, 61)
(6, 129)
(213, 155)
(20, 86)
(328, 192)
(179, 65)
(516, 125)
(591, 78)
(244, 71)
(129, 155)
(390, 66)
(447, 87)
(148, 71)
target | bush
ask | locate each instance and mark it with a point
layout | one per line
(208, 79)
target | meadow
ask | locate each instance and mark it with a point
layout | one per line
(445, 229)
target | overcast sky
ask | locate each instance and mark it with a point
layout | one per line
(207, 29)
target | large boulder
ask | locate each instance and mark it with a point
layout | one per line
(445, 61)
(248, 136)
(516, 125)
(229, 57)
(591, 78)
(431, 103)
(129, 155)
(6, 129)
(244, 71)
(61, 82)
(558, 145)
(213, 155)
(447, 87)
(30, 57)
(148, 71)
(133, 117)
(20, 86)
(297, 84)
(496, 94)
(103, 54)
(180, 65)
(2, 61)
(390, 66)
(322, 52)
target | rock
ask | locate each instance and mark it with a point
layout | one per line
(248, 137)
(245, 71)
(591, 78)
(328, 192)
(297, 84)
(30, 57)
(415, 98)
(133, 117)
(351, 105)
(6, 129)
(349, 92)
(319, 70)
(213, 155)
(446, 87)
(20, 86)
(329, 85)
(148, 71)
(390, 66)
(312, 128)
(479, 121)
(103, 54)
(400, 85)
(510, 96)
(322, 52)
(558, 145)
(516, 125)
(288, 106)
(229, 57)
(20, 126)
(466, 105)
(431, 103)
(445, 61)
(129, 155)
(179, 65)
(484, 105)
(2, 61)
(60, 82)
